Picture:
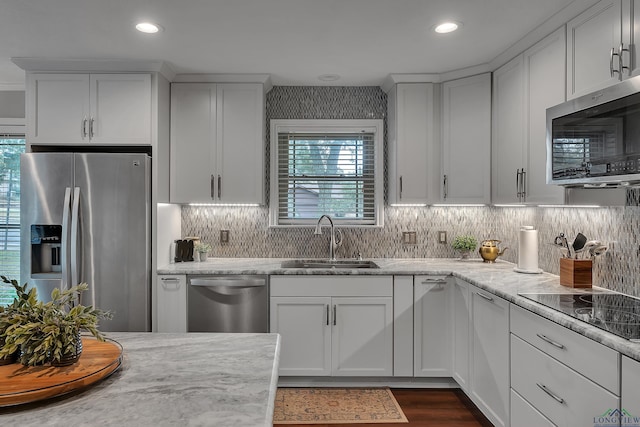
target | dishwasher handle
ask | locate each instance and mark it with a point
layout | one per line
(229, 282)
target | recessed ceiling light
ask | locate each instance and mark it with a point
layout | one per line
(148, 27)
(329, 77)
(447, 27)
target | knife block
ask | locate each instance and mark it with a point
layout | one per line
(576, 273)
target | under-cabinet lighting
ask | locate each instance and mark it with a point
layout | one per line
(408, 205)
(569, 206)
(461, 205)
(507, 205)
(225, 204)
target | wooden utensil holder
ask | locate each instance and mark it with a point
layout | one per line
(576, 273)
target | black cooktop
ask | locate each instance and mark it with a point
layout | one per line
(615, 313)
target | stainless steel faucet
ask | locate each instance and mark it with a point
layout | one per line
(333, 243)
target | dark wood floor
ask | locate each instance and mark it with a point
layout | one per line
(430, 408)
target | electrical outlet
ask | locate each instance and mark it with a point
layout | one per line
(224, 236)
(409, 237)
(442, 237)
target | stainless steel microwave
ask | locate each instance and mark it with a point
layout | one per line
(594, 140)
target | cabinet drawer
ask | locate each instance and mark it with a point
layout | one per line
(525, 415)
(558, 392)
(593, 360)
(332, 285)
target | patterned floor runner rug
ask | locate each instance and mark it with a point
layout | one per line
(336, 406)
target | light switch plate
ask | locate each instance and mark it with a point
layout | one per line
(442, 237)
(409, 237)
(224, 236)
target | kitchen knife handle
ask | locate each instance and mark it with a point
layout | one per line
(553, 343)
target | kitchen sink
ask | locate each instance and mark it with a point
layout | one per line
(318, 263)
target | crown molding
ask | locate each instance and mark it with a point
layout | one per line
(264, 79)
(94, 65)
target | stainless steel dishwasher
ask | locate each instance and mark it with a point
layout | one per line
(228, 303)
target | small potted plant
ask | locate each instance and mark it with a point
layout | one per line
(50, 332)
(202, 249)
(21, 300)
(465, 244)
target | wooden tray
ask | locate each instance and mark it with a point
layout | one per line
(21, 384)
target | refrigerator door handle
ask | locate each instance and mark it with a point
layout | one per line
(74, 236)
(64, 256)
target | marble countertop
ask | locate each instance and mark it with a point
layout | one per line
(196, 379)
(498, 278)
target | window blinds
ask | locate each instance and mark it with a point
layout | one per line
(329, 174)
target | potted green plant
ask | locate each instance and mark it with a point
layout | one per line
(202, 249)
(50, 332)
(465, 244)
(21, 300)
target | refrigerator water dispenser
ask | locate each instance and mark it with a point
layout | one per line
(45, 249)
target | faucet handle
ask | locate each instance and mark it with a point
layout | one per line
(338, 238)
(358, 255)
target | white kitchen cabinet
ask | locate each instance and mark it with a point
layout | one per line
(414, 154)
(403, 326)
(630, 390)
(461, 325)
(333, 325)
(489, 373)
(522, 91)
(88, 108)
(171, 303)
(304, 324)
(564, 376)
(432, 333)
(594, 39)
(525, 415)
(466, 140)
(217, 143)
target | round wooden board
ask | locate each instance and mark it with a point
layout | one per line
(21, 384)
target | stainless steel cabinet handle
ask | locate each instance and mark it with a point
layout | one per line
(166, 281)
(213, 184)
(546, 390)
(518, 192)
(488, 298)
(444, 186)
(400, 187)
(91, 127)
(429, 281)
(523, 184)
(219, 187)
(169, 279)
(334, 315)
(612, 71)
(546, 339)
(621, 65)
(83, 127)
(327, 314)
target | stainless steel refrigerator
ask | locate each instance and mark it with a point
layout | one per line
(85, 217)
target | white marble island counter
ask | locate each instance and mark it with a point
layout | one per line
(172, 380)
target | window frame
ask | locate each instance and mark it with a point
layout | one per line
(324, 126)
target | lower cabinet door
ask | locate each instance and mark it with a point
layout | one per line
(525, 415)
(630, 390)
(304, 325)
(171, 303)
(561, 394)
(362, 337)
(432, 330)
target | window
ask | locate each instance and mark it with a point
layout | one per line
(11, 146)
(331, 167)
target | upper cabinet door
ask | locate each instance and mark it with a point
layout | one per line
(466, 140)
(240, 138)
(120, 108)
(592, 38)
(193, 142)
(414, 168)
(57, 108)
(508, 145)
(544, 75)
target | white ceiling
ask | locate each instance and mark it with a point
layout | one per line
(294, 41)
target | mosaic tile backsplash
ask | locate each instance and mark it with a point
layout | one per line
(250, 235)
